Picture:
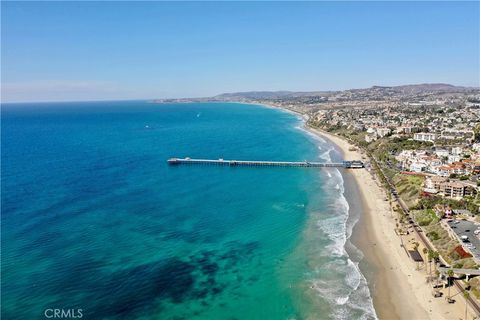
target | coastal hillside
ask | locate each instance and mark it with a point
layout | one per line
(374, 93)
(403, 89)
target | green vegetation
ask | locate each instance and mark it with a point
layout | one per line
(433, 235)
(399, 144)
(425, 217)
(468, 203)
(467, 263)
(427, 203)
(390, 173)
(444, 244)
(409, 188)
(476, 132)
(475, 284)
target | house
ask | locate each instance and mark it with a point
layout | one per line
(443, 211)
(457, 151)
(459, 168)
(453, 134)
(424, 136)
(417, 167)
(448, 213)
(358, 127)
(369, 137)
(442, 171)
(441, 152)
(453, 158)
(382, 132)
(431, 162)
(469, 165)
(404, 129)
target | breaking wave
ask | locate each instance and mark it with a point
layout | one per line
(340, 281)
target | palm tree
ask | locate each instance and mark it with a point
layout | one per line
(435, 256)
(415, 245)
(450, 275)
(437, 274)
(425, 251)
(431, 255)
(466, 294)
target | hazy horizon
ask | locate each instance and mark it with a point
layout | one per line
(187, 97)
(79, 51)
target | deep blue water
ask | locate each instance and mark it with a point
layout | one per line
(94, 218)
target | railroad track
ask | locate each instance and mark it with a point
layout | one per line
(472, 302)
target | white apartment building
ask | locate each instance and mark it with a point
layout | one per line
(457, 150)
(424, 136)
(417, 167)
(382, 132)
(453, 158)
(441, 152)
(369, 137)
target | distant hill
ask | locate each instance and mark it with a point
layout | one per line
(403, 89)
(428, 87)
(410, 89)
(268, 94)
(255, 94)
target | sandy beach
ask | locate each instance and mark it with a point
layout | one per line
(399, 290)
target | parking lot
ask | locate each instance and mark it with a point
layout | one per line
(467, 228)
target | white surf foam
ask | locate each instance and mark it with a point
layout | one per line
(326, 154)
(340, 281)
(312, 135)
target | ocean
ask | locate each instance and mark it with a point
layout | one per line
(93, 217)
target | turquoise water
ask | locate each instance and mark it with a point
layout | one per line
(94, 218)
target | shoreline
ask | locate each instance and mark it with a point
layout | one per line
(398, 289)
(372, 265)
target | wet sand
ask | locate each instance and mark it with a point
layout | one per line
(399, 290)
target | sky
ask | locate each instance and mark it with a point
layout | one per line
(69, 51)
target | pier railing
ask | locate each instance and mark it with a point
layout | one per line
(221, 162)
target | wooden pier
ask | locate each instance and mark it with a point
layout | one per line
(305, 164)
